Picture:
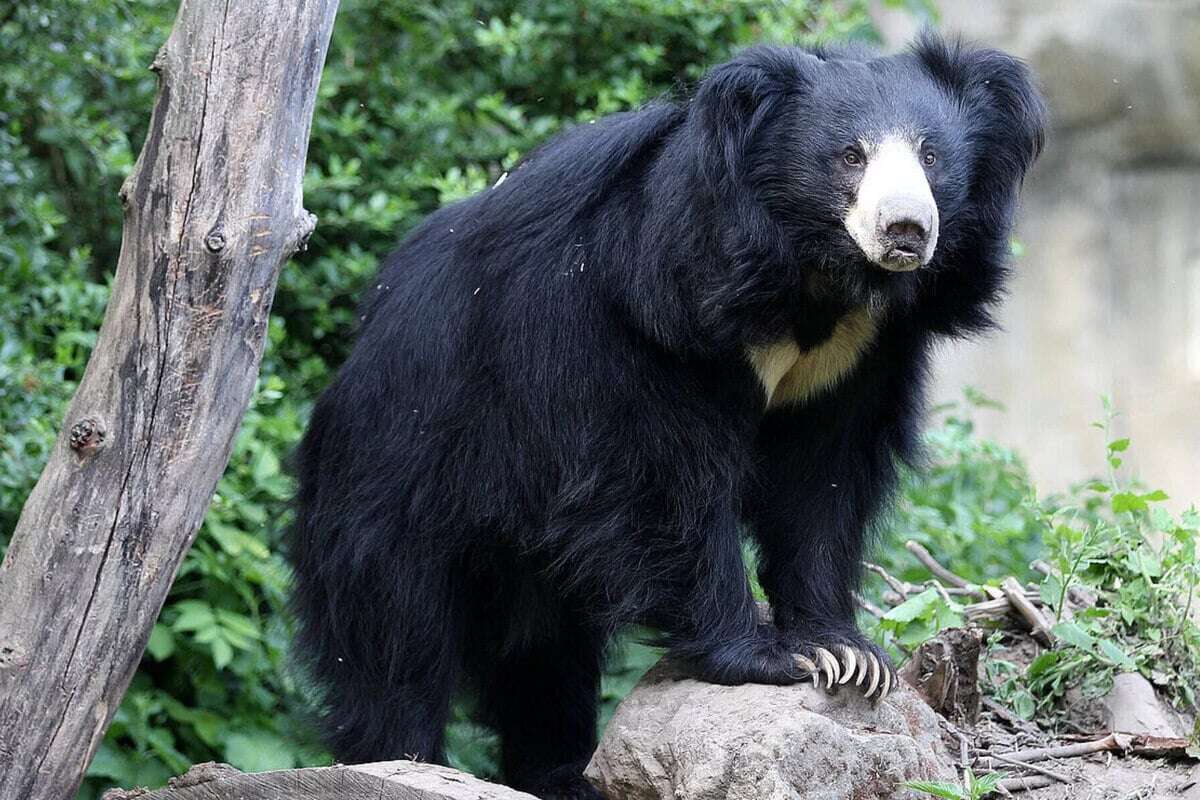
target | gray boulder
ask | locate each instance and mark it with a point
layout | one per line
(674, 738)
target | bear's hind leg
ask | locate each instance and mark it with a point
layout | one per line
(387, 670)
(544, 700)
(404, 721)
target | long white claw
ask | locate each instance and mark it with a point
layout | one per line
(864, 666)
(808, 666)
(830, 665)
(849, 662)
(874, 676)
(887, 683)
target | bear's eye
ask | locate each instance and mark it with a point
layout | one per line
(852, 159)
(930, 158)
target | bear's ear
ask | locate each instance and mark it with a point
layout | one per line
(731, 105)
(1005, 110)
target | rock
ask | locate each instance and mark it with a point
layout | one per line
(1132, 706)
(674, 738)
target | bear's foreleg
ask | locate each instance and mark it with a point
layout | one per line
(819, 488)
(708, 613)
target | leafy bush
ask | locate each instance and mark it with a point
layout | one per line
(1111, 543)
(1137, 564)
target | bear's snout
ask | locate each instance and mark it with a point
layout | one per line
(904, 227)
(894, 219)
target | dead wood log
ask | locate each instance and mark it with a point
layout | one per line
(945, 672)
(1038, 625)
(212, 210)
(385, 780)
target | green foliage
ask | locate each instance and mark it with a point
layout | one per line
(1114, 543)
(920, 617)
(1109, 540)
(975, 505)
(971, 788)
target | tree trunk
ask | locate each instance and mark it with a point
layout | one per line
(212, 210)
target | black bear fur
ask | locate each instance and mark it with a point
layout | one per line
(549, 429)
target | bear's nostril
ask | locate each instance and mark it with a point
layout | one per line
(907, 231)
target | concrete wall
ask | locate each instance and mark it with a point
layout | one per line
(1107, 294)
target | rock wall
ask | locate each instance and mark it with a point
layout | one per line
(1107, 293)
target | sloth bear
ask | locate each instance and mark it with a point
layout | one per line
(574, 392)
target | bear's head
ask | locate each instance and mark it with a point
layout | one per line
(873, 173)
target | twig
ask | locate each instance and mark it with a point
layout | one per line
(940, 590)
(1108, 743)
(1025, 784)
(899, 587)
(1016, 596)
(953, 591)
(1058, 776)
(946, 576)
(868, 606)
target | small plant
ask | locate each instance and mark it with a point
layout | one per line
(972, 787)
(1136, 567)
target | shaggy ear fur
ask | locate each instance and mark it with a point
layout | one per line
(1007, 114)
(1006, 122)
(732, 104)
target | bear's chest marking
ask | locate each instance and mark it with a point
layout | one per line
(791, 375)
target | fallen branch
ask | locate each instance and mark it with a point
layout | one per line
(384, 780)
(946, 576)
(1107, 744)
(988, 609)
(1049, 773)
(1025, 784)
(1037, 623)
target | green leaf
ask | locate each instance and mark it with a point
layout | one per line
(1024, 705)
(1127, 501)
(112, 763)
(238, 623)
(266, 466)
(1115, 654)
(1118, 445)
(193, 615)
(1042, 664)
(222, 653)
(948, 791)
(1074, 635)
(259, 751)
(1050, 590)
(986, 784)
(916, 607)
(161, 644)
